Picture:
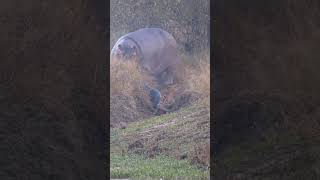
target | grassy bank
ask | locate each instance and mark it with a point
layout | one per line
(138, 167)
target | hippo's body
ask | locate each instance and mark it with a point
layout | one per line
(154, 49)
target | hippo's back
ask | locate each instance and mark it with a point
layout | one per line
(152, 38)
(158, 48)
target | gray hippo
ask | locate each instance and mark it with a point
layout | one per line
(156, 52)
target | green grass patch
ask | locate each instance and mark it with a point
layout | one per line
(138, 167)
(135, 166)
(148, 123)
(141, 125)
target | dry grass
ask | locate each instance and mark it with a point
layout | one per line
(200, 154)
(125, 78)
(199, 77)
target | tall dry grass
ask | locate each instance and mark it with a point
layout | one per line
(124, 77)
(127, 79)
(198, 76)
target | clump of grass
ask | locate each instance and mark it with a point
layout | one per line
(138, 167)
(200, 154)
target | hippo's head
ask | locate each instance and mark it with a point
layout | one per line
(125, 49)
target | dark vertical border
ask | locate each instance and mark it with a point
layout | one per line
(107, 35)
(212, 71)
(102, 9)
(107, 40)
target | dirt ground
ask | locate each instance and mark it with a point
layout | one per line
(125, 109)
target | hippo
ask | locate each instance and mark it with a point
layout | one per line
(155, 50)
